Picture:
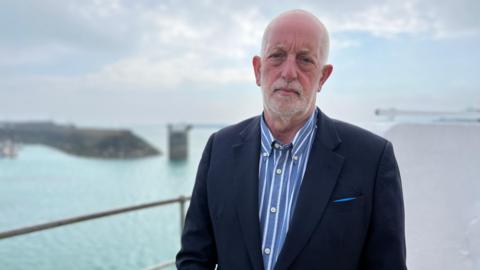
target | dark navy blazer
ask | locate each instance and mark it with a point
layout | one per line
(326, 232)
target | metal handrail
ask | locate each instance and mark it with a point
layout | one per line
(161, 266)
(50, 225)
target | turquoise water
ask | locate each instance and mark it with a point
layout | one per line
(438, 163)
(43, 184)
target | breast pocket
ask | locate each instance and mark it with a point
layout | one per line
(346, 203)
(344, 223)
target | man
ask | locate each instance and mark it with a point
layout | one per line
(292, 188)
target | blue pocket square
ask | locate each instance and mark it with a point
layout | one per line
(345, 199)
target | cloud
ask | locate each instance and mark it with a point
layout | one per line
(124, 29)
(151, 42)
(118, 46)
(32, 55)
(167, 43)
(434, 19)
(384, 20)
(77, 24)
(168, 73)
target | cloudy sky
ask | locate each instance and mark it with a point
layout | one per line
(114, 62)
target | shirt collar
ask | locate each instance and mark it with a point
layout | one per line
(299, 141)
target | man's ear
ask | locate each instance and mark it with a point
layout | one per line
(257, 63)
(326, 72)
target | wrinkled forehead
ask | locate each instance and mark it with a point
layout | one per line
(296, 32)
(296, 39)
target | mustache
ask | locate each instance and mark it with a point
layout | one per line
(293, 86)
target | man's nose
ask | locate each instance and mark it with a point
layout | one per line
(289, 69)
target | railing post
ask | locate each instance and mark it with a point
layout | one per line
(182, 213)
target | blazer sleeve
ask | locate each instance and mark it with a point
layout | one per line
(198, 250)
(385, 246)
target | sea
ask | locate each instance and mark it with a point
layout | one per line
(439, 163)
(43, 184)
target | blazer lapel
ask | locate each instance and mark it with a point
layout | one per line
(320, 177)
(246, 155)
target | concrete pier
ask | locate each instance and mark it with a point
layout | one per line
(178, 141)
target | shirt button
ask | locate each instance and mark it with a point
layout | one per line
(267, 251)
(295, 157)
(265, 154)
(279, 171)
(277, 145)
(273, 209)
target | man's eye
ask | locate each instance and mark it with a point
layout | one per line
(275, 55)
(306, 60)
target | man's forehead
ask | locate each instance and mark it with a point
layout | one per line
(289, 31)
(288, 35)
(289, 45)
(298, 31)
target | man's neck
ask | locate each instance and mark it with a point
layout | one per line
(284, 129)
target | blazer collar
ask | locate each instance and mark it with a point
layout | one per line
(327, 133)
(246, 156)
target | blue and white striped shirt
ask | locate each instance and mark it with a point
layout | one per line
(281, 171)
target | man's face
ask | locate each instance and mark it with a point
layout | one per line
(291, 71)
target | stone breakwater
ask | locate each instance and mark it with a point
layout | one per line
(84, 142)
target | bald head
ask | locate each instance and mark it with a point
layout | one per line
(298, 22)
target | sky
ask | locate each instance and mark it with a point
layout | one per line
(114, 62)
